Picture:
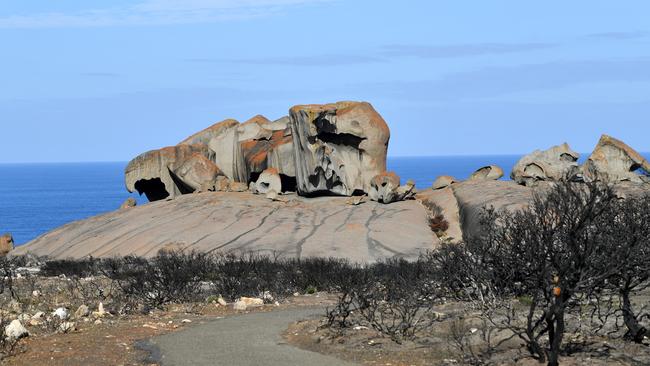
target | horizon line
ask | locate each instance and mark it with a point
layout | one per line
(388, 157)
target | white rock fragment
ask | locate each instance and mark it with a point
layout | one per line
(16, 330)
(61, 313)
(239, 306)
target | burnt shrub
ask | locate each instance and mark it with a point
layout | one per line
(435, 218)
(552, 254)
(274, 278)
(71, 267)
(394, 297)
(169, 277)
(250, 275)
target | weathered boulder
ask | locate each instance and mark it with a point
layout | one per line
(490, 172)
(197, 173)
(338, 148)
(554, 164)
(228, 148)
(171, 171)
(614, 161)
(128, 203)
(269, 180)
(386, 188)
(6, 244)
(383, 187)
(443, 181)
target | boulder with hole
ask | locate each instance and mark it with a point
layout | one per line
(338, 148)
(614, 161)
(555, 164)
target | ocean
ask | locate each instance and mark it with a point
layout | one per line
(36, 198)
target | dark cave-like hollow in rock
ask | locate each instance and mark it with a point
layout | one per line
(153, 189)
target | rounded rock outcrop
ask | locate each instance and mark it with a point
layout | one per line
(614, 161)
(490, 172)
(383, 187)
(555, 164)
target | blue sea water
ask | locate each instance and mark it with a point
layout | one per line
(36, 198)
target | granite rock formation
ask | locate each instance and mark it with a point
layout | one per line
(613, 161)
(554, 164)
(338, 148)
(331, 149)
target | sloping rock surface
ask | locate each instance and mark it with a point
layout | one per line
(474, 196)
(232, 222)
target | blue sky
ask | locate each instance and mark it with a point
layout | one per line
(106, 80)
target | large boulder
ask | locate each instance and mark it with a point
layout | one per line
(614, 161)
(171, 171)
(554, 164)
(239, 151)
(386, 188)
(490, 172)
(338, 148)
(6, 244)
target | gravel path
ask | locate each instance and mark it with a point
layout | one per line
(251, 339)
